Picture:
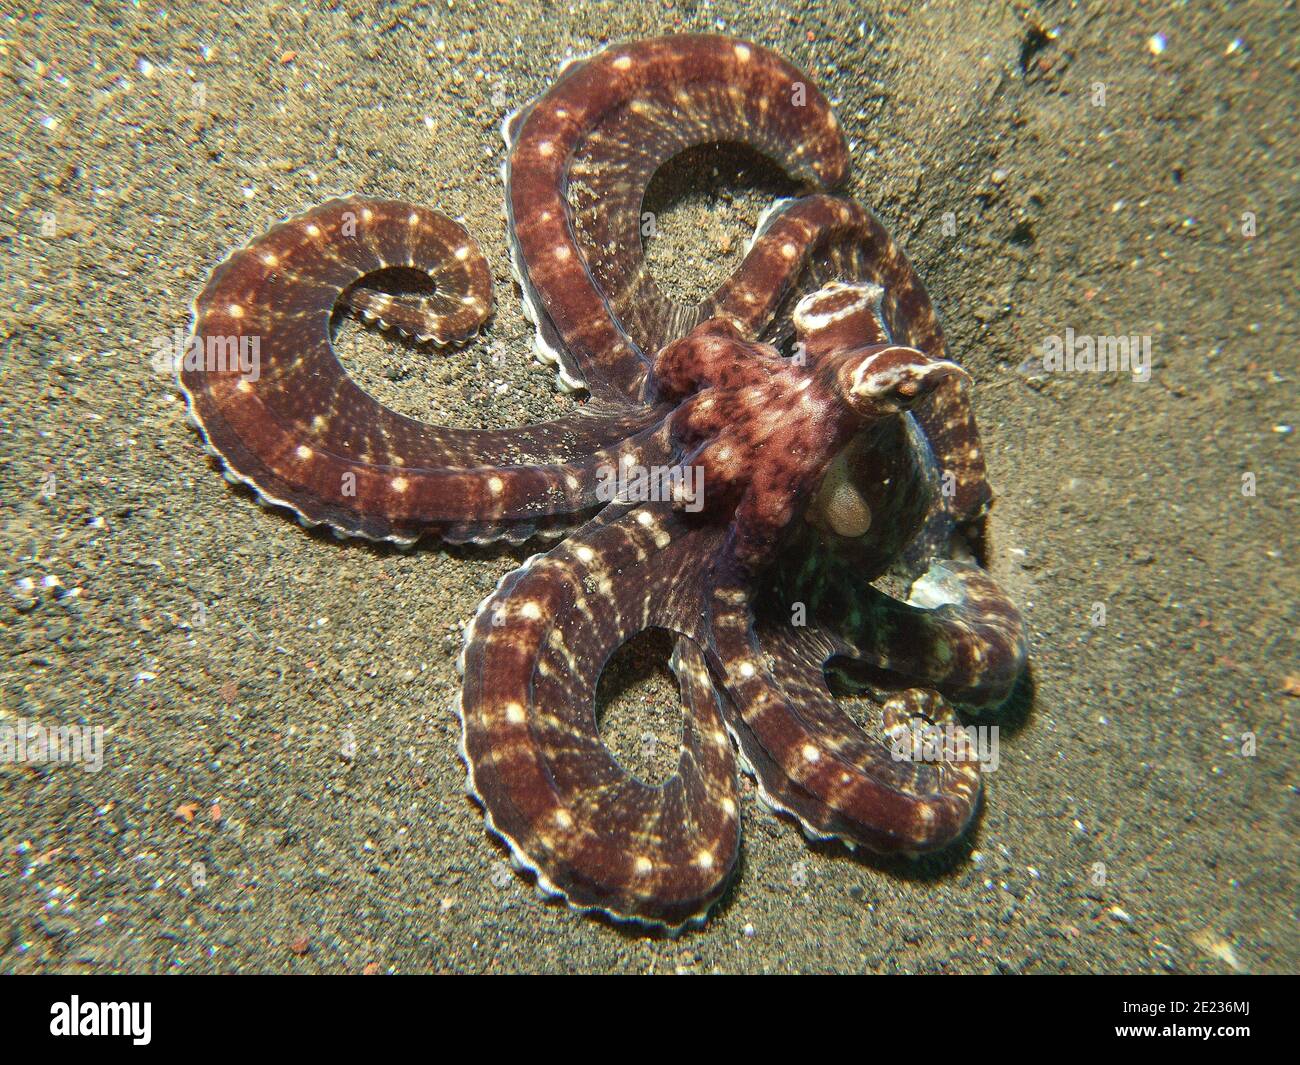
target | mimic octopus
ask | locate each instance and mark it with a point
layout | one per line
(835, 443)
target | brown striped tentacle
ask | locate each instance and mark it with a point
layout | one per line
(293, 424)
(958, 639)
(958, 632)
(598, 135)
(809, 756)
(807, 243)
(568, 810)
(439, 318)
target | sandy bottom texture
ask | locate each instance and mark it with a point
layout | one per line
(280, 788)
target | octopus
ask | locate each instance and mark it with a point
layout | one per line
(786, 478)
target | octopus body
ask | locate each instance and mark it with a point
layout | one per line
(815, 438)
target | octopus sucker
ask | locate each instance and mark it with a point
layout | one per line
(744, 475)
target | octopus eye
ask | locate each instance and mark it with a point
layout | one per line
(888, 379)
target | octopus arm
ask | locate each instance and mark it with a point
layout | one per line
(290, 422)
(958, 632)
(812, 760)
(580, 159)
(568, 810)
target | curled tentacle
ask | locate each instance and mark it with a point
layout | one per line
(957, 632)
(270, 395)
(440, 318)
(600, 133)
(803, 245)
(811, 759)
(551, 789)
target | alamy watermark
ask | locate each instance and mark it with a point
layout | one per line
(131, 1020)
(1083, 353)
(947, 743)
(31, 743)
(213, 354)
(629, 483)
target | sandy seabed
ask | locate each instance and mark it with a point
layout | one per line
(280, 788)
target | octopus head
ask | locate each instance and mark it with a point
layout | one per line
(886, 379)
